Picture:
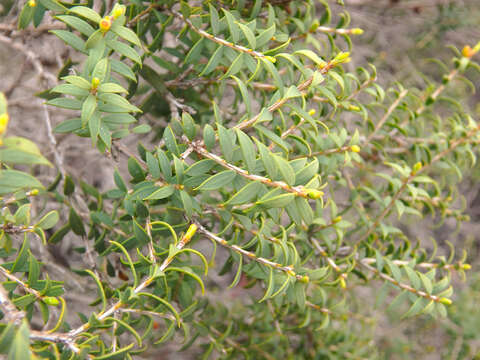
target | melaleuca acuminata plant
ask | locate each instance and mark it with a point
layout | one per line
(270, 162)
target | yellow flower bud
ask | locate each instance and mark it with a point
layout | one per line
(105, 24)
(34, 192)
(312, 112)
(118, 11)
(32, 3)
(50, 300)
(3, 123)
(354, 108)
(314, 194)
(416, 168)
(445, 301)
(314, 26)
(467, 51)
(95, 82)
(305, 279)
(189, 234)
(337, 219)
(342, 57)
(466, 266)
(343, 284)
(357, 31)
(355, 148)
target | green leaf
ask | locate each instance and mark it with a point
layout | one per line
(127, 34)
(78, 24)
(236, 66)
(20, 348)
(86, 13)
(312, 56)
(208, 137)
(13, 180)
(248, 151)
(245, 95)
(218, 180)
(77, 81)
(88, 108)
(232, 25)
(245, 194)
(278, 201)
(188, 272)
(69, 89)
(125, 50)
(48, 221)
(76, 223)
(111, 88)
(214, 19)
(213, 62)
(285, 169)
(170, 141)
(162, 193)
(249, 35)
(65, 103)
(277, 79)
(70, 39)
(53, 5)
(101, 69)
(122, 69)
(26, 15)
(118, 101)
(265, 36)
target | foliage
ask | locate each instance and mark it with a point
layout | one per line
(304, 174)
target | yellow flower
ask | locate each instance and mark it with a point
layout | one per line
(3, 123)
(105, 24)
(32, 3)
(118, 11)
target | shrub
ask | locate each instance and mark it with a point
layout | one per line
(267, 159)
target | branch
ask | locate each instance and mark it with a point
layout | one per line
(197, 146)
(287, 269)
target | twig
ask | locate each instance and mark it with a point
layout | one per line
(199, 149)
(287, 269)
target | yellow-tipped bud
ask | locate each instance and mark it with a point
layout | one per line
(95, 82)
(118, 10)
(337, 219)
(466, 266)
(305, 279)
(189, 234)
(445, 301)
(314, 26)
(34, 192)
(343, 283)
(357, 31)
(314, 194)
(291, 273)
(32, 3)
(467, 51)
(105, 24)
(354, 108)
(355, 148)
(50, 300)
(271, 59)
(342, 57)
(312, 112)
(416, 168)
(3, 123)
